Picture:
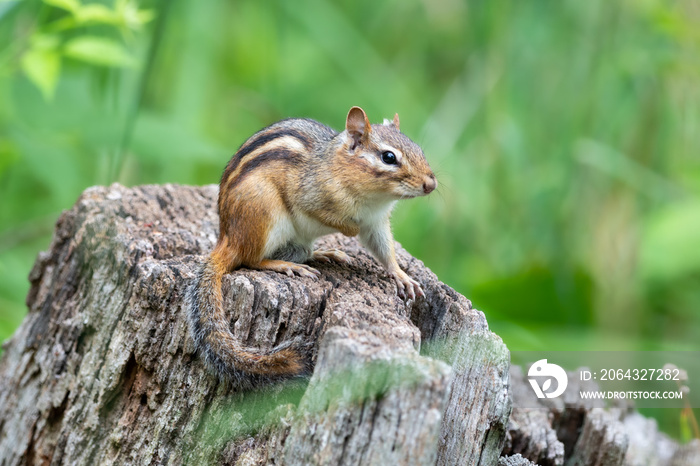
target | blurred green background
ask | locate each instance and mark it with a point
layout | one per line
(565, 135)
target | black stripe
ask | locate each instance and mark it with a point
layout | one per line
(267, 137)
(267, 157)
(258, 141)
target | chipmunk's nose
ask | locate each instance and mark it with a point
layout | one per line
(429, 184)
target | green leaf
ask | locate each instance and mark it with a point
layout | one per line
(144, 16)
(98, 51)
(69, 5)
(42, 67)
(131, 16)
(95, 13)
(44, 41)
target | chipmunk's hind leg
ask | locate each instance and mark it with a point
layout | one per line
(290, 268)
(288, 259)
(330, 255)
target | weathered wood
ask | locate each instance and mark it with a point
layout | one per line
(515, 460)
(103, 371)
(567, 431)
(530, 430)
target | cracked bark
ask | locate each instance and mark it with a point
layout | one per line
(103, 371)
(567, 431)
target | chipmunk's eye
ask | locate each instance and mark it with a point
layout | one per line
(389, 157)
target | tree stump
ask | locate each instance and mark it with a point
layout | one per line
(573, 432)
(103, 370)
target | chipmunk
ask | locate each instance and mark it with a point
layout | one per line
(287, 185)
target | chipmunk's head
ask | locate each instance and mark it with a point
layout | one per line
(392, 163)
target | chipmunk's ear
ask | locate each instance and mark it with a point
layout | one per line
(357, 126)
(396, 122)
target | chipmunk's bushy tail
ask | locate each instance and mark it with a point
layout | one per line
(209, 327)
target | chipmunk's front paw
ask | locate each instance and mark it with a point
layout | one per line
(407, 287)
(328, 255)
